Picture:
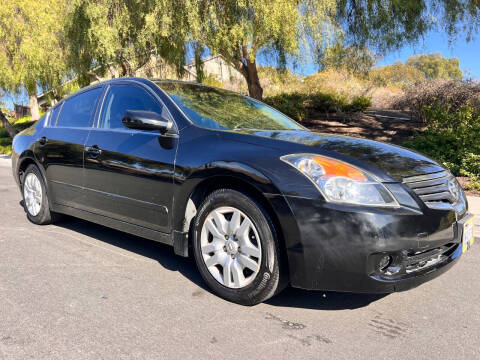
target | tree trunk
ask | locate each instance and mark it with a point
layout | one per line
(34, 106)
(250, 73)
(6, 124)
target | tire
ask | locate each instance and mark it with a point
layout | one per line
(249, 243)
(40, 213)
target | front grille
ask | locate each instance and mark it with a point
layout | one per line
(422, 260)
(433, 188)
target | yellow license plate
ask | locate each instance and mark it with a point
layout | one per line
(468, 234)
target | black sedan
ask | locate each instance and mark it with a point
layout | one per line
(259, 200)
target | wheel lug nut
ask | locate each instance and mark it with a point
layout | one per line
(224, 248)
(233, 256)
(226, 237)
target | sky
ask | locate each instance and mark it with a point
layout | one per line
(434, 42)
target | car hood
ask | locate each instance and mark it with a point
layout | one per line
(395, 161)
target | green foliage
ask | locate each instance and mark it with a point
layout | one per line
(291, 104)
(435, 66)
(6, 140)
(31, 37)
(109, 33)
(389, 24)
(452, 139)
(357, 60)
(240, 30)
(299, 105)
(397, 74)
(211, 80)
(359, 103)
(6, 149)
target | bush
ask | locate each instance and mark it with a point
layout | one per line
(452, 94)
(359, 103)
(299, 105)
(5, 141)
(292, 105)
(324, 102)
(397, 74)
(452, 139)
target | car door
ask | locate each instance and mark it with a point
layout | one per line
(61, 146)
(129, 173)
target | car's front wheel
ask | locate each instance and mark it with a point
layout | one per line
(236, 248)
(35, 198)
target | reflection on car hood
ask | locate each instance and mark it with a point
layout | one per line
(396, 161)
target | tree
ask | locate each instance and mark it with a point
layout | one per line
(3, 119)
(357, 60)
(240, 30)
(30, 51)
(396, 74)
(435, 66)
(385, 25)
(126, 34)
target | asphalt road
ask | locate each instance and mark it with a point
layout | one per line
(82, 291)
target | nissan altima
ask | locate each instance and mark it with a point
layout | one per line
(257, 199)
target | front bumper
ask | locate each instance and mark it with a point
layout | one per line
(339, 246)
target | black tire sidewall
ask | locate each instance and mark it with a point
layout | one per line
(43, 216)
(267, 279)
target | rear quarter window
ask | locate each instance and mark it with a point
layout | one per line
(52, 119)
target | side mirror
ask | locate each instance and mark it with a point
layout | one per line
(146, 120)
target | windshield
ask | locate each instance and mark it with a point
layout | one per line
(225, 110)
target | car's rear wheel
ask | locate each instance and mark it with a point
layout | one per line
(236, 248)
(35, 198)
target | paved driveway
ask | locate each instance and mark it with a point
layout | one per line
(78, 290)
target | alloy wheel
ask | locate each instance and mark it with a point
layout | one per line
(32, 193)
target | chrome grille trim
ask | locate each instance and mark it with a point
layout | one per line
(432, 189)
(431, 176)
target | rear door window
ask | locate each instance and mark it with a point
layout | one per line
(78, 111)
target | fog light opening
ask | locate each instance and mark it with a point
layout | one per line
(384, 262)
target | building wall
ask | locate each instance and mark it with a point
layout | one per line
(21, 111)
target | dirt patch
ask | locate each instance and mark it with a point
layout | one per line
(381, 125)
(464, 182)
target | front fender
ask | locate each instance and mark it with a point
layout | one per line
(186, 181)
(279, 209)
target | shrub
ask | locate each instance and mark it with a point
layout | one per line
(5, 141)
(452, 139)
(292, 104)
(359, 103)
(299, 105)
(452, 94)
(7, 149)
(324, 102)
(398, 74)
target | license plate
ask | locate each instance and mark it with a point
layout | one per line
(468, 235)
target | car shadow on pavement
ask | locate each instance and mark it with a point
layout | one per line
(322, 300)
(159, 252)
(290, 297)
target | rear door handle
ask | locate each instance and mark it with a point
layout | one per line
(42, 141)
(93, 151)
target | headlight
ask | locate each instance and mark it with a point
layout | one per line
(341, 182)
